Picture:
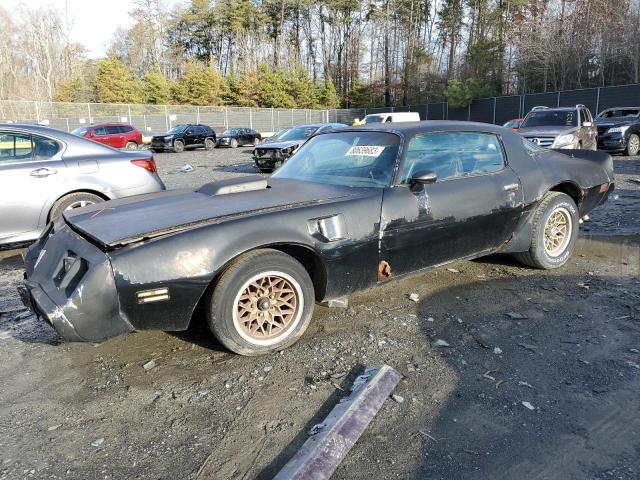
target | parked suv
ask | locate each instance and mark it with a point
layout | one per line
(116, 135)
(185, 137)
(619, 130)
(563, 127)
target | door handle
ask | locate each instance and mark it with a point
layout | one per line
(512, 187)
(42, 172)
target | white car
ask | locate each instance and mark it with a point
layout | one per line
(392, 117)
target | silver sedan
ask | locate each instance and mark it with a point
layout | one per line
(44, 172)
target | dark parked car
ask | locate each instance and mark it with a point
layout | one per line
(116, 135)
(239, 136)
(352, 208)
(185, 137)
(269, 155)
(619, 130)
(564, 127)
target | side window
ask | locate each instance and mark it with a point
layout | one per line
(15, 146)
(453, 155)
(99, 131)
(201, 131)
(44, 148)
(126, 129)
(112, 129)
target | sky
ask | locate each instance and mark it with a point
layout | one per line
(94, 21)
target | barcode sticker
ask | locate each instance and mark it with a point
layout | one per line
(365, 150)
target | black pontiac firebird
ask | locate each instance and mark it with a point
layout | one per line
(352, 208)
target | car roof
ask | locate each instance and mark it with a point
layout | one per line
(411, 128)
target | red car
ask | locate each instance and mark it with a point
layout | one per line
(116, 135)
(514, 124)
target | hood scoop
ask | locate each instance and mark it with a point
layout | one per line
(234, 185)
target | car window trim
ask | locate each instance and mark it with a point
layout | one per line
(57, 156)
(505, 163)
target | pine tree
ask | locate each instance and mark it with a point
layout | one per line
(273, 89)
(155, 88)
(115, 83)
(201, 85)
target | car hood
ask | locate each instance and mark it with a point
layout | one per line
(280, 145)
(545, 131)
(124, 221)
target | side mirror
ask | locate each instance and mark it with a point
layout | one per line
(423, 177)
(587, 124)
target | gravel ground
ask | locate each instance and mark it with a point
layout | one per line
(541, 379)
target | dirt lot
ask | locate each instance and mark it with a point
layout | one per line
(567, 342)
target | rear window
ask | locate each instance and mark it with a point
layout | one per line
(112, 129)
(125, 128)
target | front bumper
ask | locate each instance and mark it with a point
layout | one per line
(69, 283)
(612, 142)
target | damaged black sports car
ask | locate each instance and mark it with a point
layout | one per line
(354, 207)
(273, 153)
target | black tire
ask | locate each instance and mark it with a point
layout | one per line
(256, 141)
(538, 256)
(131, 146)
(178, 146)
(73, 200)
(209, 144)
(225, 299)
(233, 143)
(633, 145)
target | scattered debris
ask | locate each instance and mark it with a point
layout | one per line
(516, 316)
(453, 270)
(441, 343)
(54, 427)
(267, 368)
(414, 297)
(187, 168)
(633, 364)
(149, 365)
(525, 384)
(335, 376)
(497, 351)
(431, 319)
(324, 450)
(634, 350)
(583, 285)
(397, 398)
(97, 442)
(316, 429)
(528, 406)
(427, 435)
(531, 348)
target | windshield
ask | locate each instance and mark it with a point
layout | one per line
(353, 159)
(373, 119)
(552, 118)
(176, 129)
(620, 113)
(80, 131)
(230, 133)
(298, 133)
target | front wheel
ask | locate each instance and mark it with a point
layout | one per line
(554, 232)
(262, 302)
(256, 141)
(178, 146)
(233, 143)
(633, 145)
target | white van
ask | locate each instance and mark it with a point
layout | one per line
(392, 117)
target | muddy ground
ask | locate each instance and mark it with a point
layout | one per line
(566, 341)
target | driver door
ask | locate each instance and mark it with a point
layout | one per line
(471, 209)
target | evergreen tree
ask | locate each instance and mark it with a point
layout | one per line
(155, 88)
(201, 85)
(115, 83)
(273, 89)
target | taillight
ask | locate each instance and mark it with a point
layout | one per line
(148, 164)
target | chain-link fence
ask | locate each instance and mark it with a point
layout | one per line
(499, 110)
(155, 118)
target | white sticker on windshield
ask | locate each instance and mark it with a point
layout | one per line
(365, 150)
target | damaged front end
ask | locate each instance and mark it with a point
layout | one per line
(269, 157)
(70, 284)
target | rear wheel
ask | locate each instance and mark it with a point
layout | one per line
(256, 141)
(73, 201)
(554, 232)
(233, 143)
(131, 146)
(209, 144)
(633, 145)
(263, 302)
(178, 146)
